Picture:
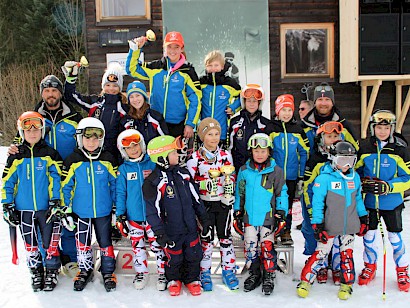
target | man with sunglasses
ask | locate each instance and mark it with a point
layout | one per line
(304, 107)
(325, 110)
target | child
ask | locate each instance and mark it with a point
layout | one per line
(261, 202)
(173, 204)
(31, 199)
(130, 211)
(220, 94)
(89, 192)
(214, 193)
(174, 85)
(338, 211)
(147, 121)
(290, 151)
(109, 107)
(384, 167)
(248, 122)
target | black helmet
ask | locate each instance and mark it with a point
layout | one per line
(342, 153)
(51, 81)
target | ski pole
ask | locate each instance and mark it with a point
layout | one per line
(379, 222)
(13, 242)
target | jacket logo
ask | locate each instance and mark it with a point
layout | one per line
(350, 185)
(170, 192)
(239, 134)
(99, 170)
(132, 176)
(385, 163)
(336, 185)
(39, 166)
(97, 113)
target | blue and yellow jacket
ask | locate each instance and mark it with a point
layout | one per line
(218, 93)
(390, 163)
(337, 201)
(260, 193)
(290, 148)
(31, 178)
(130, 177)
(174, 94)
(89, 185)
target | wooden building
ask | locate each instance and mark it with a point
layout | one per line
(366, 33)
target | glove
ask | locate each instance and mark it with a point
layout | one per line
(238, 222)
(320, 234)
(206, 233)
(70, 70)
(280, 222)
(299, 187)
(375, 186)
(55, 212)
(137, 43)
(122, 225)
(68, 220)
(10, 214)
(164, 241)
(364, 225)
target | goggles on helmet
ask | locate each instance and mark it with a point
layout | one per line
(254, 91)
(383, 117)
(177, 144)
(261, 142)
(28, 123)
(329, 127)
(345, 160)
(89, 132)
(129, 140)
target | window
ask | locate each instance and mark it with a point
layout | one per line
(123, 12)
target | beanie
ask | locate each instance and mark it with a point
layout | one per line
(113, 74)
(285, 100)
(324, 90)
(206, 125)
(137, 87)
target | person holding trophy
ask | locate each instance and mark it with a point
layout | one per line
(212, 168)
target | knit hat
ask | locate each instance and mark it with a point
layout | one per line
(137, 87)
(174, 37)
(285, 100)
(324, 90)
(206, 125)
(113, 74)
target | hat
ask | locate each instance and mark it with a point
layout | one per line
(206, 125)
(285, 100)
(113, 74)
(137, 87)
(174, 37)
(51, 81)
(324, 90)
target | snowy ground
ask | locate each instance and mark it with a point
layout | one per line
(15, 289)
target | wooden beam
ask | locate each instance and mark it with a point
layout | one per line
(402, 116)
(367, 108)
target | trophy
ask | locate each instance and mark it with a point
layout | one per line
(213, 183)
(69, 66)
(150, 35)
(227, 170)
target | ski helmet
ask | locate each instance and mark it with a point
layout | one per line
(128, 137)
(51, 81)
(254, 90)
(342, 153)
(259, 140)
(89, 127)
(159, 148)
(383, 117)
(31, 119)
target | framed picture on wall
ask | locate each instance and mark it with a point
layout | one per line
(307, 50)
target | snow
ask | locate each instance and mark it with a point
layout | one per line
(16, 291)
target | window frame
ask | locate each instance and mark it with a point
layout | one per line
(122, 20)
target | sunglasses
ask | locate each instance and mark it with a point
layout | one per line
(263, 143)
(27, 124)
(177, 144)
(257, 94)
(129, 140)
(50, 84)
(384, 117)
(302, 108)
(89, 132)
(329, 127)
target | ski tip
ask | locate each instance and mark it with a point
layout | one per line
(384, 296)
(15, 261)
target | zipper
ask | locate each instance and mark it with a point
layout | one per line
(286, 150)
(112, 117)
(32, 180)
(345, 209)
(213, 95)
(93, 187)
(378, 161)
(141, 182)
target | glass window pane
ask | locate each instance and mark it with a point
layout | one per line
(118, 8)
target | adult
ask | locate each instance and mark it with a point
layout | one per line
(325, 110)
(304, 107)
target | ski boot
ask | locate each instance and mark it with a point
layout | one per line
(194, 288)
(268, 282)
(140, 280)
(368, 274)
(303, 289)
(286, 238)
(322, 275)
(345, 291)
(230, 280)
(110, 282)
(336, 277)
(37, 278)
(206, 280)
(51, 279)
(82, 278)
(161, 282)
(403, 280)
(254, 279)
(174, 287)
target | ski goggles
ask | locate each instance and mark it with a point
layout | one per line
(177, 144)
(383, 117)
(329, 127)
(89, 132)
(322, 88)
(345, 160)
(256, 93)
(263, 143)
(50, 84)
(28, 123)
(129, 140)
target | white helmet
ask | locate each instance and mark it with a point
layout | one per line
(89, 127)
(126, 138)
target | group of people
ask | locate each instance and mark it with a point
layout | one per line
(134, 159)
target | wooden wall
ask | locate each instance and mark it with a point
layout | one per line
(347, 96)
